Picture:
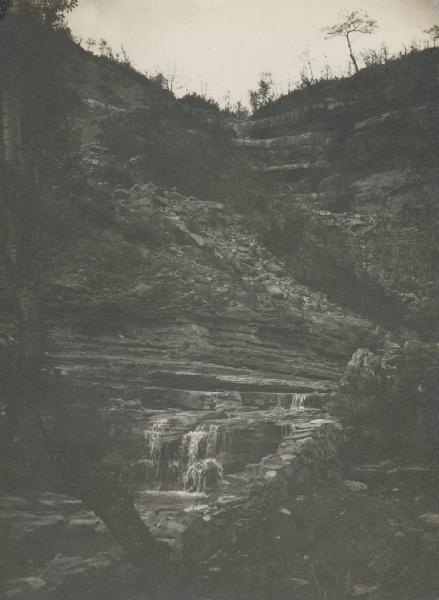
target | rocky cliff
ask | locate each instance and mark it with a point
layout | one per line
(207, 283)
(352, 166)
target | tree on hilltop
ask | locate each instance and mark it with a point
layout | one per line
(433, 32)
(356, 21)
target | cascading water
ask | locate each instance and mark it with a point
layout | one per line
(213, 441)
(206, 441)
(194, 465)
(154, 442)
(298, 401)
(193, 444)
(199, 449)
(203, 475)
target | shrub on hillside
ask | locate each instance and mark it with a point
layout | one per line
(172, 147)
(198, 101)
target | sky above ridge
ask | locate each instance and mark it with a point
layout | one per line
(216, 46)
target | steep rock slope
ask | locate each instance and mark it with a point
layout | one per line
(205, 338)
(351, 166)
(210, 364)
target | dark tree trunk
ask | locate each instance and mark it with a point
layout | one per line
(352, 55)
(21, 218)
(114, 504)
(99, 489)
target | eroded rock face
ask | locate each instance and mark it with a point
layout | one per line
(201, 372)
(196, 338)
(363, 373)
(368, 215)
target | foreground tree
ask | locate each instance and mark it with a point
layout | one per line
(35, 156)
(356, 21)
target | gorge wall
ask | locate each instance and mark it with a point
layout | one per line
(206, 283)
(351, 167)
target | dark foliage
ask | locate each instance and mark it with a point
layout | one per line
(197, 101)
(172, 147)
(4, 7)
(398, 416)
(49, 12)
(35, 61)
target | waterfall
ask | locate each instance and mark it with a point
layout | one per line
(154, 441)
(198, 452)
(206, 441)
(203, 475)
(213, 441)
(192, 444)
(194, 465)
(298, 401)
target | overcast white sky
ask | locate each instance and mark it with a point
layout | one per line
(226, 44)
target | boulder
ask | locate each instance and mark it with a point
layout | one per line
(199, 241)
(430, 520)
(136, 161)
(275, 291)
(364, 590)
(363, 373)
(183, 233)
(121, 194)
(274, 268)
(142, 290)
(356, 486)
(24, 586)
(143, 189)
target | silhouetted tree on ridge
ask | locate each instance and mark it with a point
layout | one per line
(356, 21)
